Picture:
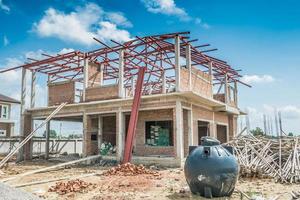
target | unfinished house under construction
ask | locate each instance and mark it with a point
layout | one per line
(185, 94)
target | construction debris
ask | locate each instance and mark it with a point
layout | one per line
(77, 185)
(262, 157)
(129, 169)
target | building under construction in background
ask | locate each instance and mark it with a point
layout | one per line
(185, 94)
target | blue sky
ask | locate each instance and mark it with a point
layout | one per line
(259, 37)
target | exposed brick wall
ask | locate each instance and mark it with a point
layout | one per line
(102, 93)
(220, 97)
(200, 82)
(94, 74)
(7, 128)
(221, 117)
(61, 92)
(200, 114)
(140, 148)
(109, 129)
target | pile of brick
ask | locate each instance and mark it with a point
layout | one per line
(129, 169)
(71, 186)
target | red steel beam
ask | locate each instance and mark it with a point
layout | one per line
(134, 116)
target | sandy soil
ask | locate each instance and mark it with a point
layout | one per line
(170, 185)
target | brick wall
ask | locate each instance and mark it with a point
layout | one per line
(102, 93)
(200, 82)
(61, 92)
(94, 74)
(109, 129)
(140, 148)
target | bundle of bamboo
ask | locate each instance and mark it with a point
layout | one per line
(261, 156)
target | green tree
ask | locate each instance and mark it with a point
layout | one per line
(53, 134)
(257, 131)
(291, 134)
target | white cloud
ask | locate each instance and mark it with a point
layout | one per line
(81, 25)
(4, 7)
(257, 79)
(119, 19)
(5, 41)
(110, 31)
(166, 7)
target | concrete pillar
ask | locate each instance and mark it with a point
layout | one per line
(177, 63)
(132, 86)
(121, 74)
(212, 127)
(190, 127)
(179, 131)
(100, 131)
(164, 88)
(235, 93)
(87, 142)
(85, 78)
(32, 89)
(226, 88)
(189, 64)
(120, 129)
(101, 75)
(210, 65)
(20, 156)
(48, 129)
(28, 127)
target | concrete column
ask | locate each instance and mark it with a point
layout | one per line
(121, 74)
(85, 78)
(20, 156)
(48, 129)
(32, 93)
(101, 75)
(212, 127)
(189, 64)
(120, 127)
(210, 65)
(179, 131)
(226, 88)
(177, 63)
(190, 127)
(87, 142)
(164, 88)
(235, 93)
(100, 131)
(132, 86)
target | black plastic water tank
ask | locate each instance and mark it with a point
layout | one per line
(210, 169)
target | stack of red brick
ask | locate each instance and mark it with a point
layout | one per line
(71, 186)
(129, 169)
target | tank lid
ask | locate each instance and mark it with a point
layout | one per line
(209, 141)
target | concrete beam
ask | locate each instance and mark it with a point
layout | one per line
(121, 74)
(100, 131)
(164, 87)
(85, 78)
(179, 131)
(48, 129)
(32, 89)
(190, 127)
(189, 64)
(120, 126)
(177, 63)
(22, 112)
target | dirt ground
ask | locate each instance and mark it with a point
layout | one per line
(170, 184)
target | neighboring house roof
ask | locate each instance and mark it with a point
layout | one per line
(4, 98)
